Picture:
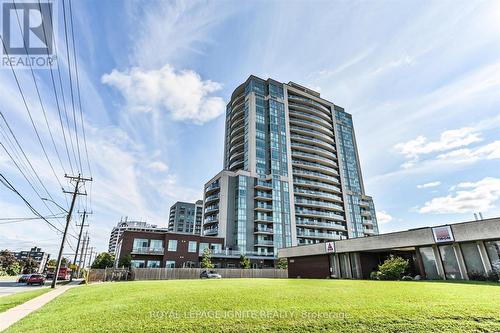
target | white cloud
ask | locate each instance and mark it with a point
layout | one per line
(466, 155)
(450, 139)
(431, 184)
(184, 95)
(383, 217)
(468, 197)
(158, 166)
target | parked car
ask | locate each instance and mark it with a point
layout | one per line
(210, 275)
(36, 279)
(24, 278)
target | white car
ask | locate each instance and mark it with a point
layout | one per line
(210, 275)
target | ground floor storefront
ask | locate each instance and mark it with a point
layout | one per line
(461, 251)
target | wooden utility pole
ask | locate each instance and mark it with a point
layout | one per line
(78, 245)
(78, 179)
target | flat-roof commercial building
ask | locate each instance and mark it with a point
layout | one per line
(452, 251)
(186, 217)
(176, 250)
(126, 224)
(37, 255)
(291, 173)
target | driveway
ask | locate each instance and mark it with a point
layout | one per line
(9, 286)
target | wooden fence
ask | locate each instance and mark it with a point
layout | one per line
(114, 274)
(194, 273)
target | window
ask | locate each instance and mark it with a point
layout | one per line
(217, 248)
(170, 264)
(202, 248)
(140, 243)
(153, 264)
(172, 245)
(472, 258)
(192, 246)
(156, 244)
(493, 249)
(450, 262)
(137, 263)
(429, 261)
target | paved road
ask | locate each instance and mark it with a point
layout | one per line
(10, 286)
(15, 314)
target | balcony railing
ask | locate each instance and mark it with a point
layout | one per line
(318, 235)
(148, 250)
(237, 254)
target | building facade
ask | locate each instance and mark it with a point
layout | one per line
(35, 253)
(458, 251)
(124, 225)
(186, 217)
(291, 172)
(171, 250)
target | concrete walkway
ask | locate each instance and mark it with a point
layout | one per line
(17, 313)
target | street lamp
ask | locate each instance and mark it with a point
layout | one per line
(55, 203)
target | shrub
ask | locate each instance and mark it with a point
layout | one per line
(374, 275)
(282, 263)
(407, 278)
(476, 276)
(392, 268)
(493, 276)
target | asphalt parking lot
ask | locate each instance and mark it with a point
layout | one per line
(10, 286)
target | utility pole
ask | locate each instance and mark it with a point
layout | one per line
(87, 241)
(68, 219)
(81, 254)
(78, 244)
(90, 256)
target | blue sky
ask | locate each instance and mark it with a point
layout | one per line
(421, 78)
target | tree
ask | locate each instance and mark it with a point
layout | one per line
(103, 260)
(244, 262)
(29, 265)
(65, 262)
(282, 263)
(52, 263)
(7, 259)
(392, 268)
(206, 262)
(125, 261)
(14, 269)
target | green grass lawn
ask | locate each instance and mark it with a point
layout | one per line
(266, 305)
(10, 301)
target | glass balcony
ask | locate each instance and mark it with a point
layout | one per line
(302, 181)
(320, 120)
(148, 250)
(316, 223)
(325, 235)
(318, 203)
(314, 165)
(300, 190)
(310, 101)
(314, 157)
(314, 149)
(318, 175)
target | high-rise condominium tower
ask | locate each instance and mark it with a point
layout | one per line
(291, 172)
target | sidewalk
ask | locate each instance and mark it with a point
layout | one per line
(17, 313)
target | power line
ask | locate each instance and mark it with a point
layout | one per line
(20, 219)
(71, 85)
(38, 91)
(27, 160)
(29, 113)
(78, 88)
(7, 184)
(55, 90)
